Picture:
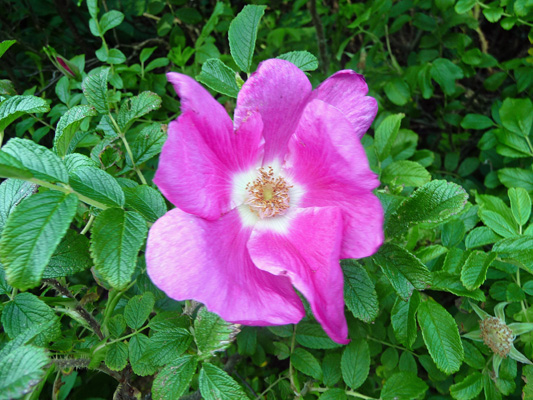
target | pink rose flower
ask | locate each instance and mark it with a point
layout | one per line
(267, 202)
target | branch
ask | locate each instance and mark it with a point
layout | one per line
(321, 39)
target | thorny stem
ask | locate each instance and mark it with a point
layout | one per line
(128, 149)
(86, 315)
(83, 363)
(321, 39)
(63, 189)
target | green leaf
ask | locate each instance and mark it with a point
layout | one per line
(41, 162)
(359, 291)
(331, 369)
(27, 311)
(21, 370)
(247, 341)
(451, 283)
(476, 122)
(110, 56)
(117, 237)
(10, 167)
(386, 134)
(6, 44)
(516, 177)
(355, 363)
(31, 234)
(312, 335)
(95, 90)
(77, 160)
(306, 363)
(215, 384)
(520, 205)
(147, 144)
(243, 34)
(452, 233)
(147, 201)
(12, 192)
(517, 116)
(219, 77)
(68, 125)
(468, 388)
(137, 346)
(70, 257)
(403, 386)
(397, 91)
(434, 202)
(481, 236)
(212, 333)
(404, 271)
(498, 223)
(463, 6)
(17, 106)
(110, 20)
(116, 357)
(405, 172)
(173, 380)
(136, 107)
(445, 72)
(116, 325)
(441, 336)
(493, 14)
(166, 346)
(138, 309)
(97, 185)
(403, 319)
(333, 394)
(474, 271)
(516, 248)
(302, 59)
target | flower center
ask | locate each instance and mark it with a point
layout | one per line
(268, 195)
(497, 335)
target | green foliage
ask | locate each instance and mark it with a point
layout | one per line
(80, 135)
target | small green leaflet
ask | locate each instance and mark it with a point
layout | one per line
(386, 134)
(445, 72)
(70, 257)
(212, 333)
(520, 205)
(173, 380)
(355, 363)
(110, 20)
(116, 357)
(12, 192)
(306, 363)
(441, 336)
(137, 346)
(403, 386)
(219, 77)
(138, 309)
(404, 271)
(6, 44)
(147, 144)
(359, 291)
(136, 107)
(434, 202)
(312, 336)
(10, 167)
(517, 116)
(166, 346)
(41, 162)
(302, 59)
(475, 269)
(215, 384)
(98, 185)
(243, 34)
(516, 248)
(117, 237)
(468, 388)
(68, 125)
(405, 172)
(95, 90)
(403, 319)
(147, 201)
(17, 106)
(31, 234)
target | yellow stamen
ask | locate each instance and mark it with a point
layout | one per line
(268, 196)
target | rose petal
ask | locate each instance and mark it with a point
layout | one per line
(192, 258)
(203, 153)
(331, 165)
(347, 91)
(308, 253)
(278, 90)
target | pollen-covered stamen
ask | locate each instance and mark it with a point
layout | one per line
(497, 335)
(268, 195)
